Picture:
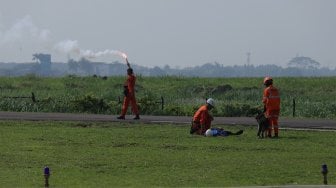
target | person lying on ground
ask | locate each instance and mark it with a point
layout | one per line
(221, 132)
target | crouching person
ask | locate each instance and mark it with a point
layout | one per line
(221, 132)
(202, 119)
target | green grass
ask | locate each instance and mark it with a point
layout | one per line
(137, 155)
(314, 96)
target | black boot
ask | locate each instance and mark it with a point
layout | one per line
(136, 117)
(121, 117)
(239, 132)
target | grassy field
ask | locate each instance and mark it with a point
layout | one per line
(315, 97)
(137, 155)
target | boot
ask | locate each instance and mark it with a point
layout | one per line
(269, 133)
(276, 135)
(136, 117)
(121, 117)
(239, 132)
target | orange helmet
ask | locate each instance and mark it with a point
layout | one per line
(267, 78)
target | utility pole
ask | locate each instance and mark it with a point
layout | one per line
(247, 67)
(248, 58)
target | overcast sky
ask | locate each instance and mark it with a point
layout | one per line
(178, 33)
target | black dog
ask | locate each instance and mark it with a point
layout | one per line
(263, 125)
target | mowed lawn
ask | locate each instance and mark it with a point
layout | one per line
(137, 155)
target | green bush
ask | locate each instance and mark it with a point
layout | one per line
(90, 104)
(235, 110)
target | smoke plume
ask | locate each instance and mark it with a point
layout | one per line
(24, 30)
(72, 47)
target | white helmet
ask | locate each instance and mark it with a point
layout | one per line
(208, 133)
(211, 102)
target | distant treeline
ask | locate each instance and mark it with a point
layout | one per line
(86, 68)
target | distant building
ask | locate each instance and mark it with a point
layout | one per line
(44, 63)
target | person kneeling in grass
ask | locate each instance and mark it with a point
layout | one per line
(201, 122)
(202, 119)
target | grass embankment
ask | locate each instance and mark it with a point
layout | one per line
(137, 155)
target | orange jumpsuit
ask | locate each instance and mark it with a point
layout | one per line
(130, 97)
(271, 100)
(202, 120)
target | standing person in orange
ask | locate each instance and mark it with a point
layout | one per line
(202, 119)
(129, 93)
(271, 100)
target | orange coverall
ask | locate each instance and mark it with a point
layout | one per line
(271, 100)
(130, 97)
(202, 120)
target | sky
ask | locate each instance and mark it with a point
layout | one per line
(178, 33)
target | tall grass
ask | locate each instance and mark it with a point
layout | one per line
(314, 96)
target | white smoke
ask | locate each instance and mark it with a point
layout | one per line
(24, 28)
(68, 47)
(72, 47)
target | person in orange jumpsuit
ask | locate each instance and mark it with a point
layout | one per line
(202, 119)
(271, 101)
(129, 93)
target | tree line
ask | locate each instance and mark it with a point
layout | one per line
(297, 67)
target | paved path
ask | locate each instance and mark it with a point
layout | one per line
(284, 122)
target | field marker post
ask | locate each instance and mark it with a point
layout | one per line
(293, 107)
(325, 172)
(162, 103)
(33, 97)
(46, 176)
